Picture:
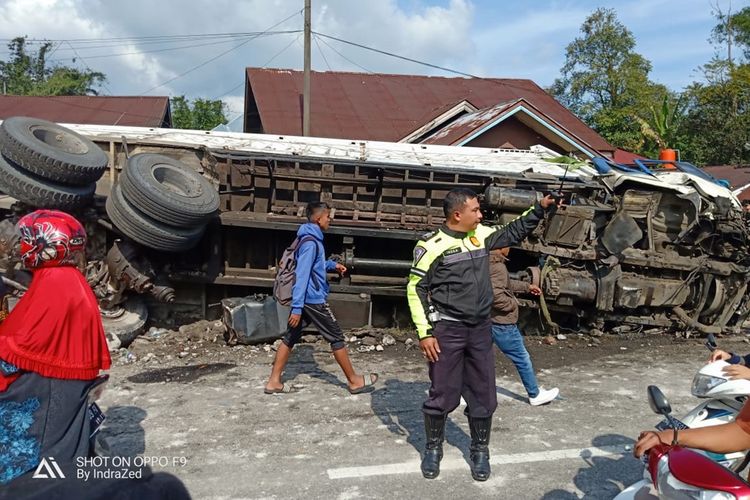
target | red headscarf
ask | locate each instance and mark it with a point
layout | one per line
(55, 329)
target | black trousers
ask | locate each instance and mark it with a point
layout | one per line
(321, 316)
(465, 367)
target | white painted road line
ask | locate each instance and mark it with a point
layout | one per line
(412, 466)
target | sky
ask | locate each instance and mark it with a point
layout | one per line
(493, 38)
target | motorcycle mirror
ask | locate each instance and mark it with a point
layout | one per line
(659, 404)
(658, 401)
(711, 342)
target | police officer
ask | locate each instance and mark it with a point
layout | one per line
(450, 297)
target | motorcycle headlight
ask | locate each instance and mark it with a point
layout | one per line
(702, 384)
(671, 487)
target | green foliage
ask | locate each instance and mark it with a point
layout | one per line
(663, 125)
(570, 162)
(717, 126)
(734, 28)
(718, 121)
(203, 114)
(26, 73)
(606, 83)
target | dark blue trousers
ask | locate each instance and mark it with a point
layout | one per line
(466, 367)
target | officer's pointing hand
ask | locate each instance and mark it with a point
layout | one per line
(547, 201)
(430, 348)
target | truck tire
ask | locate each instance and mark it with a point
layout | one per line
(125, 322)
(147, 231)
(51, 151)
(168, 191)
(41, 193)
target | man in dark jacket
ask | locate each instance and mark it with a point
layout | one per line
(450, 297)
(505, 330)
(309, 305)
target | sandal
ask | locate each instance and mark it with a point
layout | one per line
(285, 389)
(368, 384)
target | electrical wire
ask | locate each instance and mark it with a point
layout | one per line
(346, 58)
(397, 56)
(263, 66)
(317, 43)
(145, 39)
(219, 55)
(104, 84)
(501, 82)
(168, 49)
(281, 51)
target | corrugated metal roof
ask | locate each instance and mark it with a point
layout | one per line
(738, 177)
(95, 110)
(468, 123)
(388, 107)
(622, 156)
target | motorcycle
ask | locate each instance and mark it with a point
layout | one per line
(674, 472)
(723, 401)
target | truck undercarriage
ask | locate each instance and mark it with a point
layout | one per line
(654, 248)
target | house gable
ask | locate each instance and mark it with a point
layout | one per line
(517, 124)
(393, 108)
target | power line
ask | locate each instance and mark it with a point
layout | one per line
(493, 81)
(317, 43)
(264, 65)
(97, 56)
(346, 58)
(281, 51)
(106, 87)
(119, 40)
(391, 54)
(223, 53)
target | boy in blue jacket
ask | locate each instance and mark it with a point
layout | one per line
(309, 304)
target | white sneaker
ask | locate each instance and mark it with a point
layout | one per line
(544, 396)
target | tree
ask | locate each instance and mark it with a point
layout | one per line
(203, 114)
(732, 29)
(606, 83)
(663, 125)
(718, 120)
(27, 73)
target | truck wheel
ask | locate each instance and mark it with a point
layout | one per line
(41, 193)
(168, 191)
(125, 322)
(51, 151)
(147, 231)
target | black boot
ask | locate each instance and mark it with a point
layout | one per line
(480, 451)
(434, 429)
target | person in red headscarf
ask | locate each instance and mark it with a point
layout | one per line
(52, 348)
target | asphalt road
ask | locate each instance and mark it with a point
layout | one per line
(210, 421)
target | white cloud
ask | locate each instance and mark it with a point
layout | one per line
(512, 39)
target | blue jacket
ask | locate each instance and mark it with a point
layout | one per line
(311, 283)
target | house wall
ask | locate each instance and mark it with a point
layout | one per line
(514, 132)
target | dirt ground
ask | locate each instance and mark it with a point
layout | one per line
(186, 396)
(204, 342)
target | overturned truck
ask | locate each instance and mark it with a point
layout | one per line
(187, 218)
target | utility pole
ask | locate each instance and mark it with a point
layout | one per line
(306, 77)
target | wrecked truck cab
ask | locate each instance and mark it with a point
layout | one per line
(673, 253)
(664, 249)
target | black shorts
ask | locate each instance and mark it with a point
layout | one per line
(321, 316)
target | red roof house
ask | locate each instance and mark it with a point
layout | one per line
(94, 110)
(486, 112)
